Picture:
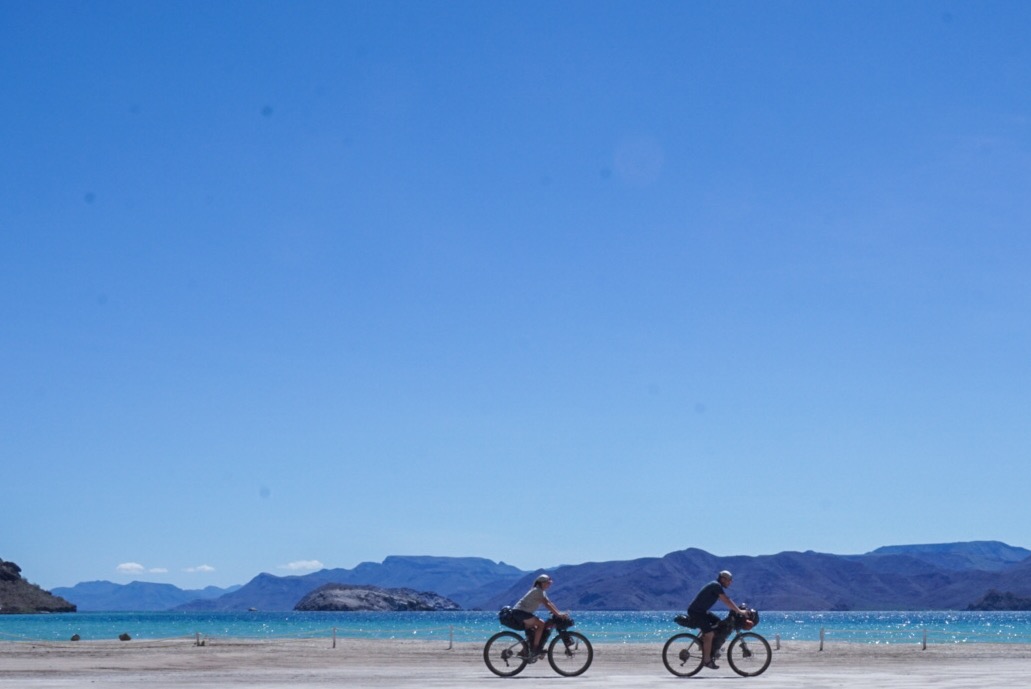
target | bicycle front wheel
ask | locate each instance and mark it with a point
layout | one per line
(505, 654)
(749, 654)
(570, 659)
(682, 655)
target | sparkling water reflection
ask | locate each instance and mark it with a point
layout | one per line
(601, 627)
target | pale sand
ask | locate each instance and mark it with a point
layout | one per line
(279, 664)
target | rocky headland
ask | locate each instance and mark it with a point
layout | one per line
(18, 596)
(1001, 600)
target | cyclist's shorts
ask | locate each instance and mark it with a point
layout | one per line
(705, 621)
(521, 616)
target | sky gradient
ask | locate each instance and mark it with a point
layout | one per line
(286, 285)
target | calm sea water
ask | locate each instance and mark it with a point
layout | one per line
(601, 627)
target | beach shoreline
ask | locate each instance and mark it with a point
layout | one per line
(359, 663)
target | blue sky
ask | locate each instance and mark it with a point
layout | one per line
(286, 285)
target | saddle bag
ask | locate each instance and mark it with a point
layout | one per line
(683, 621)
(507, 619)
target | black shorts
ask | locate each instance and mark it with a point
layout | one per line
(705, 621)
(521, 616)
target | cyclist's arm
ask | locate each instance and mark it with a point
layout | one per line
(731, 604)
(554, 611)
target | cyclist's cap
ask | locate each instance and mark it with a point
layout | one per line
(726, 574)
(542, 579)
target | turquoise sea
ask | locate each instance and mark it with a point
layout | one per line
(601, 627)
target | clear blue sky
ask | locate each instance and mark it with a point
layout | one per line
(293, 284)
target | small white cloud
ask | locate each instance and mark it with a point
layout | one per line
(130, 568)
(158, 570)
(303, 566)
(200, 569)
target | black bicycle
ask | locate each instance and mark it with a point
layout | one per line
(749, 654)
(569, 653)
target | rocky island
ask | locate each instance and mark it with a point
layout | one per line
(352, 598)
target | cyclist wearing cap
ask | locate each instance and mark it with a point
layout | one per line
(699, 616)
(526, 607)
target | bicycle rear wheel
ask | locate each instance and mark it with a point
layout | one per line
(505, 654)
(571, 660)
(682, 655)
(749, 654)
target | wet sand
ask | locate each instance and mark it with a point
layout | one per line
(180, 663)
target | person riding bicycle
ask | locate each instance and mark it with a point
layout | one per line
(526, 607)
(698, 614)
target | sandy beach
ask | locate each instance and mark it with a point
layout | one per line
(278, 664)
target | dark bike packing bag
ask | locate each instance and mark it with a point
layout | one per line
(684, 621)
(509, 620)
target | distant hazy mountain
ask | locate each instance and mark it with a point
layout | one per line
(903, 578)
(462, 579)
(138, 596)
(948, 576)
(989, 556)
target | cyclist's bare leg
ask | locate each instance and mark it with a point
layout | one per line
(707, 647)
(535, 625)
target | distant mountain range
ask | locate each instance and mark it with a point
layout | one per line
(949, 576)
(465, 580)
(137, 596)
(898, 578)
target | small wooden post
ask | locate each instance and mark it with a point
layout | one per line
(334, 637)
(451, 637)
(821, 638)
(925, 639)
(776, 640)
